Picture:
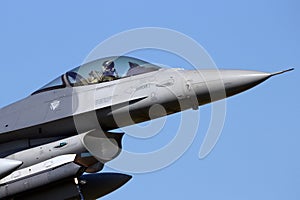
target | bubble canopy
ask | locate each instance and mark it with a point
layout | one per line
(100, 70)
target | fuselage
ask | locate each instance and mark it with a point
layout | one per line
(84, 99)
(68, 111)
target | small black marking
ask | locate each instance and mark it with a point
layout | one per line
(62, 144)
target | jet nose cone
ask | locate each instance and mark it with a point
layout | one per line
(210, 85)
(236, 81)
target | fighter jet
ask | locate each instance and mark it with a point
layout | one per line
(54, 143)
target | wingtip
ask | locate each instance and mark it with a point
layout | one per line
(281, 72)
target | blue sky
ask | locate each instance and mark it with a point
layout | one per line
(257, 156)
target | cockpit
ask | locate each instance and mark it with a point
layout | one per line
(101, 70)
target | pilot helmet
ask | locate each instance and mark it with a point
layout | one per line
(108, 64)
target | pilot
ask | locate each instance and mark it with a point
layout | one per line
(109, 71)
